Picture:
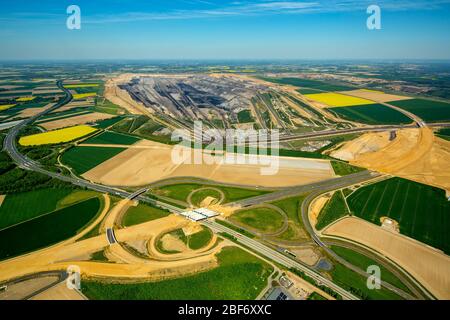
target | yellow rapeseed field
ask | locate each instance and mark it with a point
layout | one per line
(25, 99)
(6, 106)
(84, 95)
(338, 100)
(57, 136)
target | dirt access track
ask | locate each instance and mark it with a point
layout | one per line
(147, 162)
(427, 265)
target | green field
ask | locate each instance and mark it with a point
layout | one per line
(371, 114)
(444, 134)
(83, 159)
(332, 211)
(109, 137)
(200, 239)
(262, 219)
(240, 276)
(364, 262)
(291, 207)
(20, 207)
(245, 116)
(428, 110)
(343, 169)
(181, 192)
(142, 213)
(201, 195)
(357, 284)
(421, 211)
(315, 297)
(47, 229)
(103, 124)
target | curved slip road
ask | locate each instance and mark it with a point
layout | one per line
(312, 232)
(28, 164)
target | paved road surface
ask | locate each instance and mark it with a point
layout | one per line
(279, 258)
(28, 164)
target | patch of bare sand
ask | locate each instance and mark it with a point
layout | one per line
(192, 228)
(368, 143)
(121, 97)
(23, 289)
(224, 210)
(208, 201)
(415, 154)
(390, 224)
(429, 266)
(60, 257)
(376, 96)
(137, 167)
(172, 243)
(77, 120)
(139, 245)
(306, 255)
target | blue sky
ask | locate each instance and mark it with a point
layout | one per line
(211, 29)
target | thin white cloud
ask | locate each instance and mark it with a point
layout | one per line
(255, 8)
(246, 8)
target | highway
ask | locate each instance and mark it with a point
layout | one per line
(332, 184)
(317, 189)
(312, 232)
(28, 164)
(279, 258)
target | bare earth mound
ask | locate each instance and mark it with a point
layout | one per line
(137, 167)
(367, 143)
(415, 154)
(429, 266)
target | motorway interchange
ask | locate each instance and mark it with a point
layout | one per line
(259, 248)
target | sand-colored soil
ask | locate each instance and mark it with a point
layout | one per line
(77, 120)
(121, 97)
(415, 154)
(48, 91)
(302, 288)
(390, 224)
(59, 292)
(207, 202)
(73, 105)
(61, 256)
(376, 96)
(137, 167)
(316, 207)
(429, 266)
(192, 228)
(172, 243)
(367, 143)
(30, 112)
(22, 290)
(2, 198)
(306, 255)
